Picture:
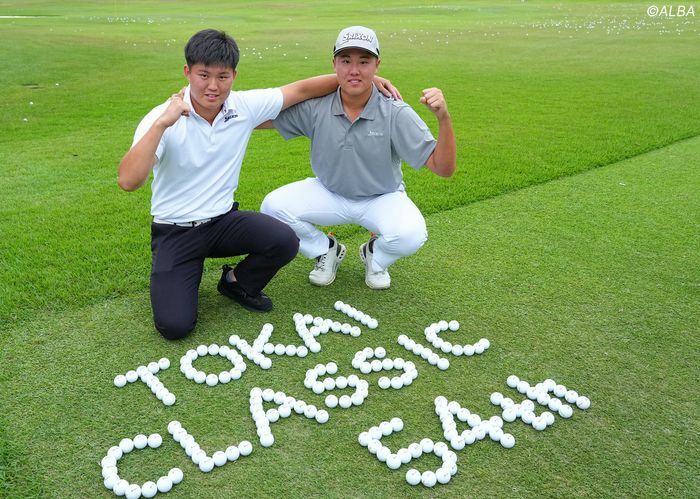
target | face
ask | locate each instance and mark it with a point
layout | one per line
(355, 69)
(209, 87)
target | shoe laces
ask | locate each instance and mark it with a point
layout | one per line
(321, 262)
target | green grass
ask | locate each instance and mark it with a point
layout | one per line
(591, 279)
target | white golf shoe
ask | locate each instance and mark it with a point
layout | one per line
(327, 264)
(375, 280)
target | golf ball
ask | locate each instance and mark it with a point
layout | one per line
(413, 476)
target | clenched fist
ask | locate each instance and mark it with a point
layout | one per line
(434, 100)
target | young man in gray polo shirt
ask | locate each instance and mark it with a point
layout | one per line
(194, 144)
(358, 139)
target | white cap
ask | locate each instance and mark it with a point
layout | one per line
(357, 37)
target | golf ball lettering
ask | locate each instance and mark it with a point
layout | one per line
(373, 360)
(557, 398)
(372, 440)
(121, 487)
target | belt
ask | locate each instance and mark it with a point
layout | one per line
(195, 223)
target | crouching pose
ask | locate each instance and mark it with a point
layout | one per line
(358, 139)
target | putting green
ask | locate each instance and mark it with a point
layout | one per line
(591, 280)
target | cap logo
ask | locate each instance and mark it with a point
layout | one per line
(357, 36)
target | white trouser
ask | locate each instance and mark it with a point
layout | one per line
(398, 222)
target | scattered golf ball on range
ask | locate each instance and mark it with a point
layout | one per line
(112, 481)
(357, 315)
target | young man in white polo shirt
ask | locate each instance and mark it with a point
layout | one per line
(195, 144)
(358, 139)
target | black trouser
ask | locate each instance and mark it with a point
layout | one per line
(178, 260)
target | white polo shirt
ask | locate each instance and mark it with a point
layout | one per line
(198, 164)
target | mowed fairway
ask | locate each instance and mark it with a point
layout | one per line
(591, 280)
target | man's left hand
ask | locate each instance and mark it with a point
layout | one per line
(386, 88)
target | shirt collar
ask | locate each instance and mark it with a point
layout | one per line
(368, 113)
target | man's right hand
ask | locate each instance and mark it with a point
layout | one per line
(177, 107)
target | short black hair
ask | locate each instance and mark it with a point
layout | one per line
(212, 48)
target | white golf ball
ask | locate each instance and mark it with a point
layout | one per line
(126, 445)
(559, 390)
(119, 380)
(413, 476)
(384, 382)
(120, 487)
(583, 403)
(175, 475)
(164, 363)
(108, 462)
(245, 448)
(427, 445)
(393, 462)
(164, 484)
(206, 465)
(322, 416)
(443, 364)
(149, 489)
(443, 475)
(212, 379)
(345, 401)
(509, 415)
(133, 492)
(539, 423)
(219, 458)
(331, 401)
(372, 323)
(571, 396)
(383, 454)
(554, 404)
(154, 440)
(548, 418)
(232, 453)
(566, 411)
(428, 478)
(396, 424)
(512, 381)
(507, 440)
(140, 441)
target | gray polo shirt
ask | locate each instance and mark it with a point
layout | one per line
(363, 158)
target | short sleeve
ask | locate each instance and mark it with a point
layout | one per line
(296, 120)
(260, 105)
(411, 138)
(145, 126)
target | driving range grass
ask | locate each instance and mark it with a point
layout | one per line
(538, 90)
(591, 280)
